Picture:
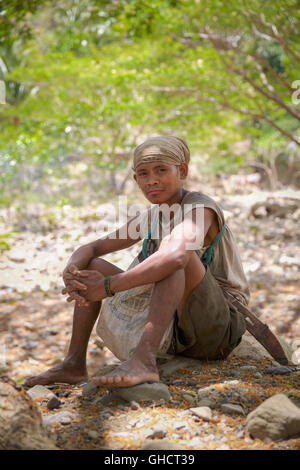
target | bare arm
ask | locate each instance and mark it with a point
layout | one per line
(172, 255)
(115, 241)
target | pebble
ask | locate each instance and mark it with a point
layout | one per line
(62, 417)
(89, 389)
(53, 403)
(157, 433)
(231, 408)
(203, 412)
(248, 368)
(93, 434)
(145, 391)
(188, 397)
(39, 392)
(205, 402)
(281, 370)
(134, 405)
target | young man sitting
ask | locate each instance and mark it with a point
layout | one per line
(193, 287)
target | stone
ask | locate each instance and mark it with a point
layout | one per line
(248, 368)
(89, 389)
(250, 347)
(203, 412)
(134, 405)
(275, 419)
(171, 366)
(62, 417)
(162, 444)
(144, 391)
(231, 408)
(157, 432)
(93, 434)
(281, 370)
(53, 403)
(188, 397)
(39, 392)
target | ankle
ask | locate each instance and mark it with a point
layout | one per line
(74, 362)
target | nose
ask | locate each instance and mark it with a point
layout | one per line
(152, 180)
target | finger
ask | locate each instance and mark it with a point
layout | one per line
(77, 285)
(73, 269)
(84, 273)
(70, 276)
(75, 296)
(68, 289)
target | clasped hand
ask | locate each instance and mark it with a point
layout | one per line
(84, 286)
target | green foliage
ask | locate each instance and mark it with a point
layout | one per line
(87, 80)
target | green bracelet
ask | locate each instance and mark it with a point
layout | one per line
(107, 286)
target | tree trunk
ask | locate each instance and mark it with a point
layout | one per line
(21, 426)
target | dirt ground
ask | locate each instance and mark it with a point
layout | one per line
(36, 321)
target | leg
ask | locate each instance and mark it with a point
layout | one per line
(168, 295)
(73, 368)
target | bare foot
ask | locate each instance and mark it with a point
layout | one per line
(58, 374)
(131, 372)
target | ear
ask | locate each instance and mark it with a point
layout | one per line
(183, 170)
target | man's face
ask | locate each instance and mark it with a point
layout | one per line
(159, 181)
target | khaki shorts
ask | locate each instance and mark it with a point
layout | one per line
(207, 328)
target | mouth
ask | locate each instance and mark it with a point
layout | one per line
(154, 191)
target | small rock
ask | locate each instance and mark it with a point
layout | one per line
(205, 403)
(93, 434)
(39, 392)
(281, 370)
(17, 256)
(157, 433)
(231, 408)
(258, 375)
(276, 418)
(204, 391)
(53, 403)
(188, 397)
(163, 444)
(134, 405)
(250, 347)
(176, 363)
(248, 368)
(145, 391)
(203, 412)
(89, 389)
(62, 417)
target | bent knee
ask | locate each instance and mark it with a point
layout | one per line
(104, 267)
(96, 264)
